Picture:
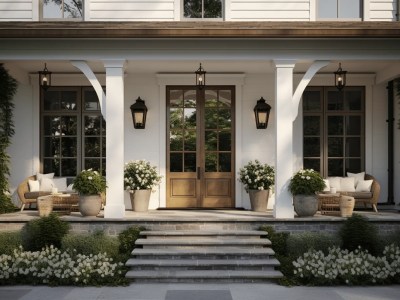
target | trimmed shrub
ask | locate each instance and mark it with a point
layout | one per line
(42, 232)
(95, 243)
(357, 232)
(9, 241)
(299, 243)
(278, 240)
(6, 206)
(127, 239)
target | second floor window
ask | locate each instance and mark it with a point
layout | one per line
(62, 9)
(202, 9)
(339, 9)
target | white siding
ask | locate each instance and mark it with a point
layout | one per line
(16, 10)
(132, 10)
(382, 10)
(270, 10)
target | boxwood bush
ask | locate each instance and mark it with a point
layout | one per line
(9, 241)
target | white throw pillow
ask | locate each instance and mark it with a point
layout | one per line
(357, 177)
(70, 188)
(34, 185)
(40, 176)
(347, 184)
(334, 182)
(46, 184)
(364, 185)
(327, 186)
(60, 183)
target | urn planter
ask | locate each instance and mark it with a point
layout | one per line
(305, 205)
(259, 199)
(140, 200)
(89, 205)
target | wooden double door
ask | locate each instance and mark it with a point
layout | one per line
(200, 147)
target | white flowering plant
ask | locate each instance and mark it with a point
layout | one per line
(306, 182)
(140, 175)
(90, 182)
(55, 267)
(257, 176)
(348, 267)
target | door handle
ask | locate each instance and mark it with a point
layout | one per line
(198, 173)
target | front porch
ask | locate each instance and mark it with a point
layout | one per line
(387, 220)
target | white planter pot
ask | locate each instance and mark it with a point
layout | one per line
(305, 205)
(89, 205)
(140, 200)
(259, 199)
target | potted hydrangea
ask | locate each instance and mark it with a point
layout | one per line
(304, 186)
(257, 179)
(140, 178)
(90, 185)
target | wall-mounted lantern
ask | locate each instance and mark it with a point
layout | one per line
(340, 78)
(45, 78)
(200, 77)
(139, 112)
(261, 112)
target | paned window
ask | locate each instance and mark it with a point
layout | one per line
(339, 9)
(333, 130)
(73, 131)
(202, 9)
(62, 9)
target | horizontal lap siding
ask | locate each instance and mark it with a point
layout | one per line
(270, 10)
(132, 10)
(382, 10)
(15, 10)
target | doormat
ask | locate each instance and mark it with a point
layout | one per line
(198, 295)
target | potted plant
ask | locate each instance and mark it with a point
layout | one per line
(304, 186)
(90, 185)
(139, 179)
(257, 179)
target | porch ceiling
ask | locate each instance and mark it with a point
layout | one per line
(106, 30)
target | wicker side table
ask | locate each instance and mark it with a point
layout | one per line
(64, 203)
(329, 204)
(44, 205)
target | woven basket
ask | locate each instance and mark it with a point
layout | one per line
(45, 206)
(346, 206)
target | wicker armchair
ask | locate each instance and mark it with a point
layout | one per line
(23, 188)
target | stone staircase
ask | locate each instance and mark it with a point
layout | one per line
(203, 256)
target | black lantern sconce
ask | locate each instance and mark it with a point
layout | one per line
(45, 78)
(261, 112)
(340, 78)
(200, 77)
(139, 112)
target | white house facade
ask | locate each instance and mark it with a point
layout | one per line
(104, 54)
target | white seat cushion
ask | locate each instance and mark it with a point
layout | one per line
(364, 185)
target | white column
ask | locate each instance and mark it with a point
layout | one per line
(115, 207)
(283, 110)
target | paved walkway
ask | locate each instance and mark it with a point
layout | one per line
(267, 291)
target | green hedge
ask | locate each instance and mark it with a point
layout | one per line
(299, 243)
(9, 241)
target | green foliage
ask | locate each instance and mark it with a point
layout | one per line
(95, 243)
(357, 232)
(257, 176)
(140, 175)
(299, 243)
(9, 241)
(127, 239)
(90, 182)
(8, 88)
(306, 182)
(42, 232)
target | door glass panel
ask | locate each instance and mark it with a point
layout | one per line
(51, 165)
(211, 118)
(335, 125)
(190, 140)
(314, 164)
(92, 146)
(224, 141)
(335, 167)
(211, 162)
(312, 101)
(212, 8)
(353, 125)
(176, 140)
(51, 100)
(52, 125)
(211, 98)
(91, 102)
(335, 100)
(224, 162)
(68, 167)
(176, 98)
(92, 125)
(353, 147)
(91, 163)
(51, 147)
(176, 163)
(353, 165)
(190, 98)
(225, 119)
(190, 117)
(103, 154)
(353, 100)
(69, 146)
(311, 125)
(211, 140)
(311, 147)
(69, 125)
(335, 147)
(68, 100)
(190, 162)
(175, 118)
(225, 97)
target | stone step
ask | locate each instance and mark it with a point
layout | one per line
(193, 233)
(202, 242)
(203, 275)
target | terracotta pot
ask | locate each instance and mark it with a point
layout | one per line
(305, 205)
(259, 199)
(89, 205)
(140, 200)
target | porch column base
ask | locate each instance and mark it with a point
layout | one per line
(282, 212)
(114, 211)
